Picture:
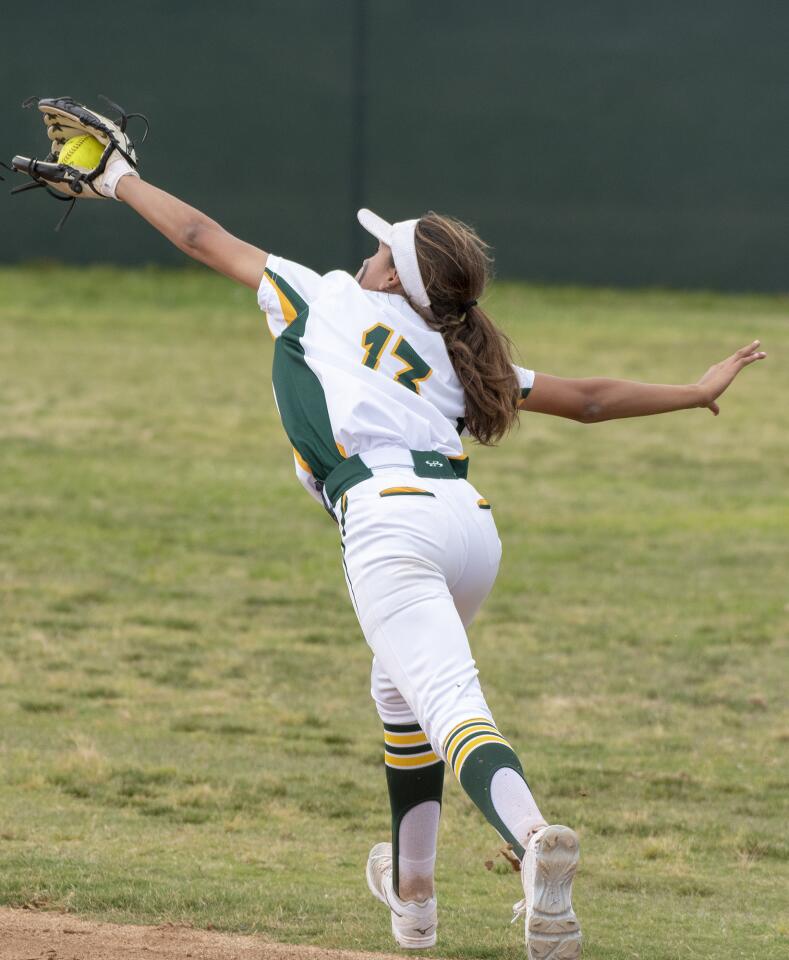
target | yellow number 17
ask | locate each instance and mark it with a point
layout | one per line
(376, 339)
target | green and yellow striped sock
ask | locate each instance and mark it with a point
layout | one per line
(476, 751)
(414, 776)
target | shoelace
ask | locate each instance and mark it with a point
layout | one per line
(519, 910)
(384, 864)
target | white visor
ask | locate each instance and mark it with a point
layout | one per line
(400, 237)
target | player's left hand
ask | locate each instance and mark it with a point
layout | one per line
(64, 118)
(720, 375)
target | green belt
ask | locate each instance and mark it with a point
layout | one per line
(427, 463)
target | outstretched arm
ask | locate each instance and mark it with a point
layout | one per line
(592, 400)
(193, 232)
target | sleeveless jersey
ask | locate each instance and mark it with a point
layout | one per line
(355, 370)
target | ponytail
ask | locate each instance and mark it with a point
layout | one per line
(480, 355)
(454, 265)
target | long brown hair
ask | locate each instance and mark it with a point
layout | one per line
(455, 266)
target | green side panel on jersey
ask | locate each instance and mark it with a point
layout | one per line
(300, 396)
(525, 391)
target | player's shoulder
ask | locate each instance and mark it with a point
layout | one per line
(340, 285)
(340, 279)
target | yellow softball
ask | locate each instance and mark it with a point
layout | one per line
(83, 152)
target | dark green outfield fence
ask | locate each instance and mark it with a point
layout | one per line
(603, 142)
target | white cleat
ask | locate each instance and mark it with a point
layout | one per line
(547, 871)
(413, 924)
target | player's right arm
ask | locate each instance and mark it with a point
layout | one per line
(197, 235)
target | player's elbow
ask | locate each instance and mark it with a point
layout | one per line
(591, 412)
(199, 239)
(591, 407)
(193, 237)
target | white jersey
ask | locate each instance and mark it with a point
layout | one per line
(355, 370)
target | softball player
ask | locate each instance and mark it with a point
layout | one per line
(376, 377)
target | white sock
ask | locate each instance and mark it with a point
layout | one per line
(417, 841)
(513, 802)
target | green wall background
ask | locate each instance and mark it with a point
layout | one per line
(608, 142)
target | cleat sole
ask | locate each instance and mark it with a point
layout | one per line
(552, 929)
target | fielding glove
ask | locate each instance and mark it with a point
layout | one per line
(65, 118)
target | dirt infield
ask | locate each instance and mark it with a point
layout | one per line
(39, 935)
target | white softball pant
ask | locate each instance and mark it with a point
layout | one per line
(418, 566)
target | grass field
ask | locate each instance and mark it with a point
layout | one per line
(185, 729)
